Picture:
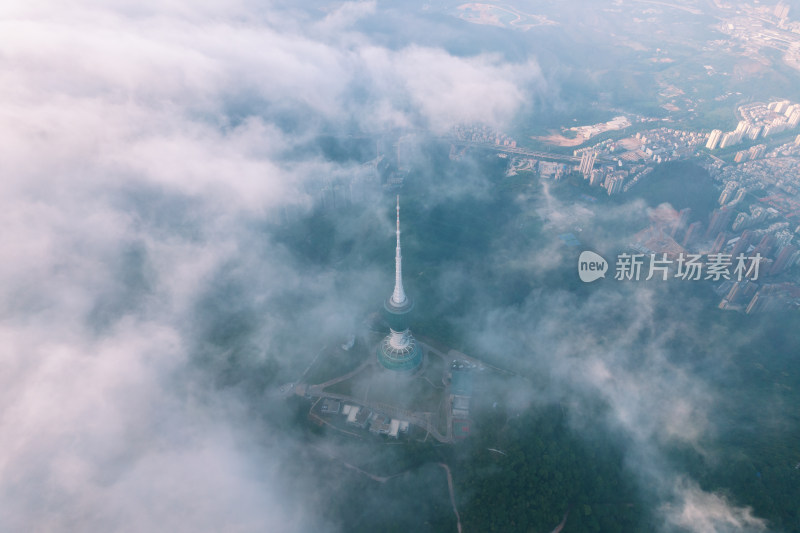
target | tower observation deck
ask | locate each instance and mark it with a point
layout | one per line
(399, 350)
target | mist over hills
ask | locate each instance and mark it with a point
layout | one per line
(173, 257)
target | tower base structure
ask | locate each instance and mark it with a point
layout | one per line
(399, 351)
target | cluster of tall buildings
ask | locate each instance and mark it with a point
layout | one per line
(754, 296)
(612, 179)
(609, 178)
(758, 121)
(745, 129)
(587, 163)
(757, 289)
(772, 244)
(784, 107)
(718, 139)
(781, 10)
(754, 152)
(744, 220)
(774, 297)
(719, 220)
(666, 144)
(482, 134)
(713, 139)
(777, 174)
(732, 193)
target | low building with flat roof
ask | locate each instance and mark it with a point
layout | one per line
(379, 424)
(460, 389)
(362, 417)
(460, 406)
(351, 416)
(460, 380)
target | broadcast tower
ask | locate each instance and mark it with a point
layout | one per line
(398, 350)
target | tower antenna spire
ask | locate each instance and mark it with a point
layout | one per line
(399, 295)
(398, 350)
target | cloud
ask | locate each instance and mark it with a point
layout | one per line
(624, 357)
(146, 147)
(95, 437)
(148, 150)
(703, 512)
(450, 90)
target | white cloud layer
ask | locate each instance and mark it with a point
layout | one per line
(701, 512)
(104, 425)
